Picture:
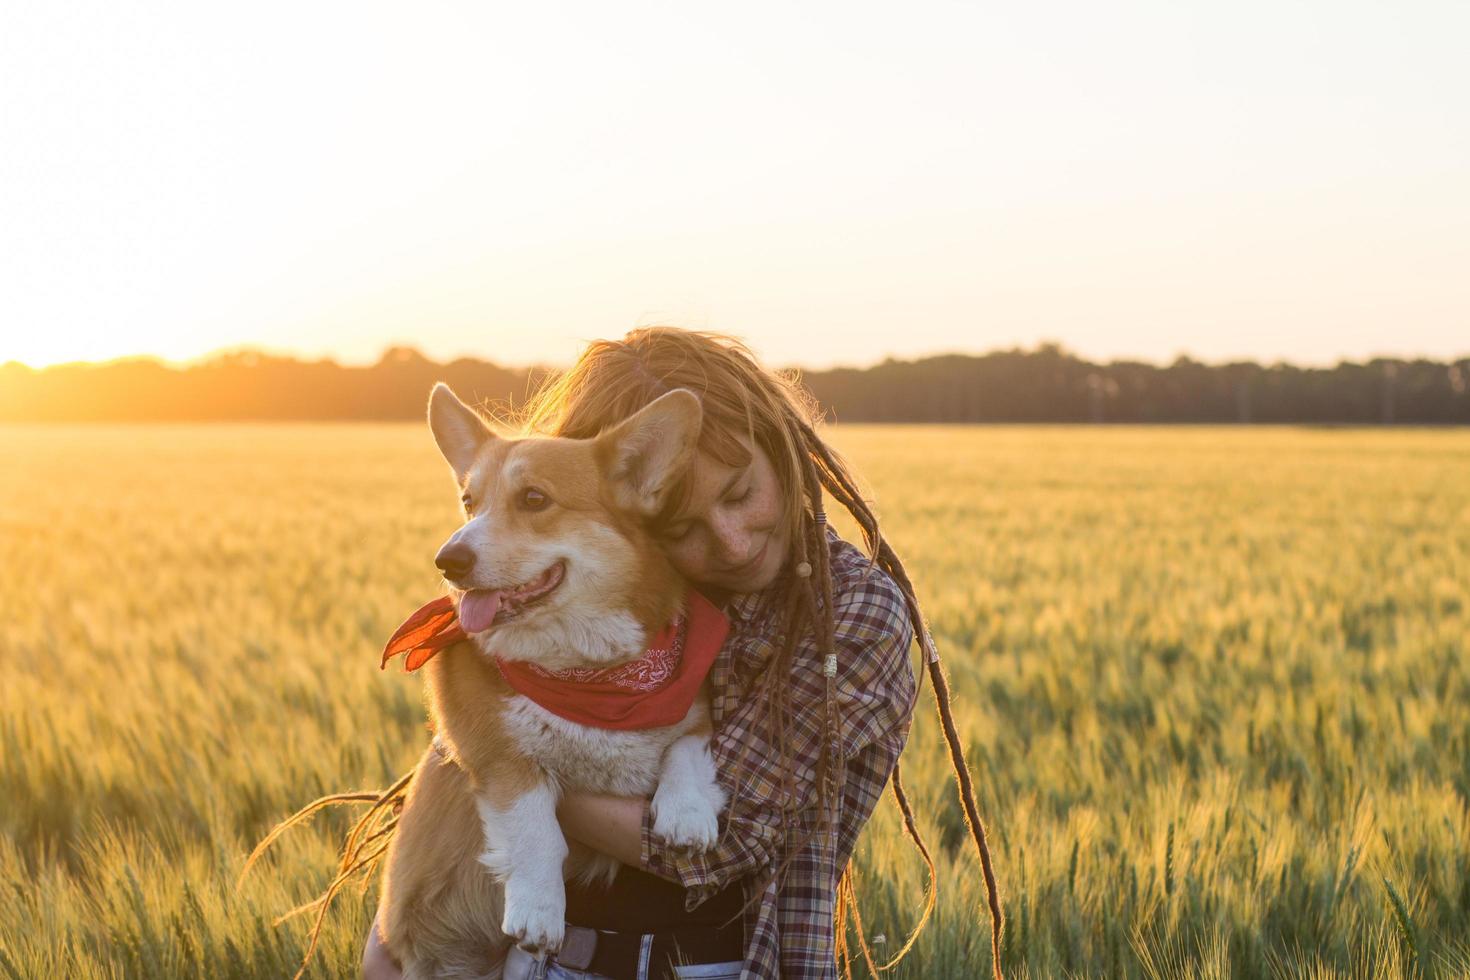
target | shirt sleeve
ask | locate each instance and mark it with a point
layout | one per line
(875, 694)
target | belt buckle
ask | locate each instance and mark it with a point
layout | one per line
(521, 965)
(578, 948)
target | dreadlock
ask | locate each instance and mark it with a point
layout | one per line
(610, 382)
(613, 380)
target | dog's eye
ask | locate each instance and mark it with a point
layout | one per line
(468, 502)
(533, 499)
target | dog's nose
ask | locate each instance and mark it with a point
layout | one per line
(455, 560)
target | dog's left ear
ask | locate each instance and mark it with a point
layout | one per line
(457, 428)
(643, 455)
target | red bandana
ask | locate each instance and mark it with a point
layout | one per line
(653, 691)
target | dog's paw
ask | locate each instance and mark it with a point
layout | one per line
(535, 919)
(687, 816)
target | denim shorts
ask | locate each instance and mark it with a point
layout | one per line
(521, 965)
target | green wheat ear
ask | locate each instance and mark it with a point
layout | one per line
(1169, 861)
(1402, 923)
(1072, 868)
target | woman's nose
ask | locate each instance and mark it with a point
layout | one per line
(732, 545)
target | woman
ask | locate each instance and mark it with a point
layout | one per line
(812, 695)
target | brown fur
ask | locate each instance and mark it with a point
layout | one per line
(441, 907)
(613, 380)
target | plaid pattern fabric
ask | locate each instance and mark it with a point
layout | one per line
(789, 930)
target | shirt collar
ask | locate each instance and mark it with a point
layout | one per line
(744, 607)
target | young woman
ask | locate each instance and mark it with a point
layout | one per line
(812, 694)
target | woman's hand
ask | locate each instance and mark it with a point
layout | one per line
(376, 963)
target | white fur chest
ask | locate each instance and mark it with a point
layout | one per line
(599, 760)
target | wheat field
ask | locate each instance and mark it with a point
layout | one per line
(1212, 682)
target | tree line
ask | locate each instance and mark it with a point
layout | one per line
(1048, 384)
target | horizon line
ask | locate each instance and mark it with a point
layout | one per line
(222, 353)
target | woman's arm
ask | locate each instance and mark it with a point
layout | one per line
(610, 824)
(875, 692)
(376, 963)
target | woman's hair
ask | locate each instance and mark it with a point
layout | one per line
(611, 381)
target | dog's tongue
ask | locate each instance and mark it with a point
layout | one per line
(478, 608)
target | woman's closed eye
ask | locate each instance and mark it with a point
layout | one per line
(677, 532)
(674, 533)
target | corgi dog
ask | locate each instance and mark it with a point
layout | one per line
(553, 579)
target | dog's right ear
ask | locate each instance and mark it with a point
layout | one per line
(457, 428)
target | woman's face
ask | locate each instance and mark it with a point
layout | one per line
(731, 533)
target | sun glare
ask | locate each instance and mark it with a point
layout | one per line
(850, 187)
(40, 350)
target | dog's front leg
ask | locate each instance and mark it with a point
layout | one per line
(686, 806)
(525, 849)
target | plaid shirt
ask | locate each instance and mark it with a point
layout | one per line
(789, 931)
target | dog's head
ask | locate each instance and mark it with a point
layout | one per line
(554, 564)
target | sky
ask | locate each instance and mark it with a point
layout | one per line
(836, 183)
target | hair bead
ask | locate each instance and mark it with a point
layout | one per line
(610, 381)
